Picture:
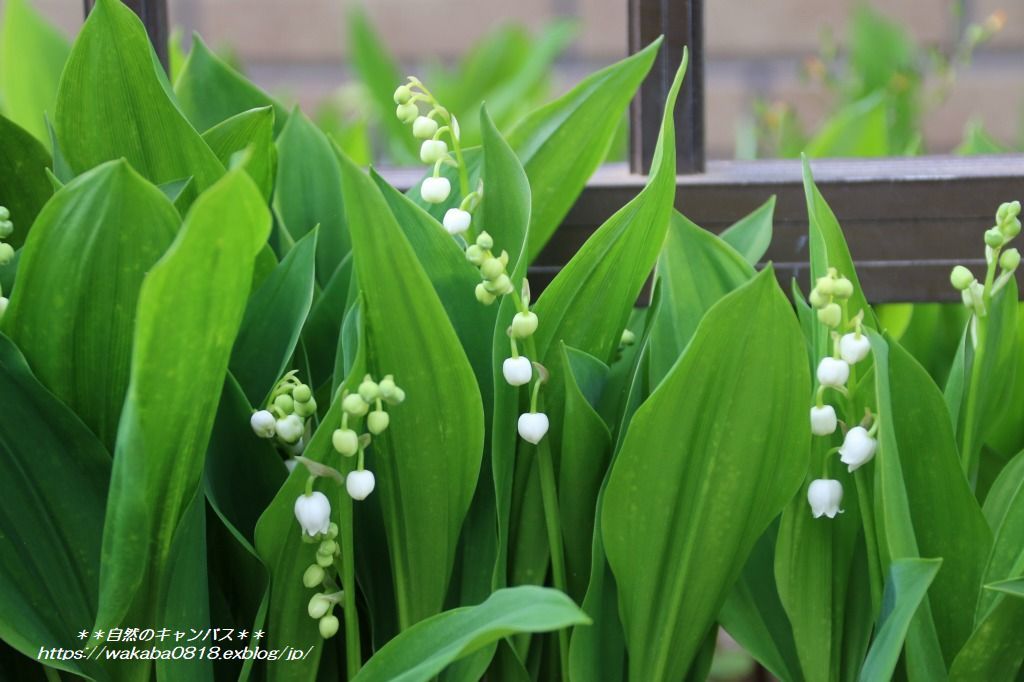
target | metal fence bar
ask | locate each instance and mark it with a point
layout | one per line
(681, 22)
(154, 16)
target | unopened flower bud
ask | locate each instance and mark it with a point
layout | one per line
(1007, 211)
(1010, 259)
(994, 237)
(313, 512)
(842, 288)
(355, 405)
(290, 429)
(484, 296)
(825, 495)
(475, 255)
(961, 278)
(854, 347)
(329, 626)
(302, 393)
(345, 441)
(435, 190)
(831, 315)
(628, 338)
(387, 386)
(378, 421)
(328, 547)
(823, 420)
(457, 221)
(263, 424)
(6, 253)
(5, 214)
(524, 324)
(1011, 229)
(6, 229)
(369, 390)
(518, 371)
(499, 286)
(407, 112)
(324, 560)
(858, 448)
(825, 285)
(817, 299)
(306, 409)
(492, 268)
(313, 576)
(402, 94)
(359, 484)
(284, 403)
(833, 372)
(319, 605)
(397, 397)
(424, 127)
(432, 151)
(533, 426)
(485, 241)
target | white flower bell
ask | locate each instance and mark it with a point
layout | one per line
(854, 347)
(435, 190)
(424, 127)
(262, 423)
(313, 512)
(823, 420)
(432, 151)
(457, 221)
(825, 495)
(360, 484)
(518, 371)
(533, 426)
(833, 372)
(858, 448)
(290, 429)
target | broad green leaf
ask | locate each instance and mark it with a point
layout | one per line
(251, 130)
(562, 143)
(695, 270)
(273, 322)
(54, 491)
(136, 117)
(209, 91)
(428, 460)
(859, 129)
(996, 647)
(905, 588)
(322, 330)
(424, 650)
(978, 141)
(709, 459)
(752, 234)
(308, 192)
(1004, 509)
(1003, 491)
(32, 56)
(73, 312)
(24, 187)
(190, 308)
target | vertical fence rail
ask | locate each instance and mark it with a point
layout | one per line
(154, 16)
(681, 22)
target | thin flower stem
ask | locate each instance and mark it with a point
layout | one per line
(51, 674)
(353, 653)
(552, 520)
(867, 511)
(968, 446)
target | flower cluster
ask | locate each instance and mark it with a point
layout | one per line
(830, 297)
(495, 280)
(313, 511)
(347, 442)
(286, 417)
(977, 295)
(6, 250)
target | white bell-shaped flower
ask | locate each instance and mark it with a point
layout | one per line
(435, 190)
(858, 448)
(533, 426)
(457, 221)
(825, 495)
(290, 428)
(263, 423)
(854, 347)
(833, 372)
(360, 484)
(313, 512)
(518, 371)
(823, 420)
(431, 151)
(424, 127)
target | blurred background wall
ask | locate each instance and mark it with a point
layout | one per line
(764, 51)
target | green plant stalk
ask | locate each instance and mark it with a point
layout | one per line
(967, 444)
(51, 674)
(353, 652)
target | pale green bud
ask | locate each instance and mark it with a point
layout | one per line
(407, 113)
(398, 397)
(817, 299)
(355, 405)
(369, 390)
(4, 213)
(1011, 228)
(324, 560)
(825, 285)
(302, 393)
(345, 441)
(831, 315)
(500, 286)
(483, 295)
(319, 606)
(485, 241)
(378, 421)
(387, 386)
(306, 409)
(492, 268)
(1010, 259)
(424, 127)
(628, 338)
(332, 530)
(329, 626)
(994, 237)
(6, 253)
(524, 324)
(284, 403)
(842, 288)
(475, 255)
(961, 278)
(6, 229)
(328, 547)
(313, 576)
(402, 94)
(1008, 211)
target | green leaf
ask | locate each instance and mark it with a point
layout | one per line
(210, 92)
(136, 117)
(752, 235)
(251, 130)
(32, 57)
(308, 192)
(189, 310)
(427, 462)
(273, 322)
(320, 334)
(996, 648)
(1004, 508)
(562, 143)
(73, 312)
(905, 588)
(709, 459)
(24, 186)
(424, 650)
(54, 490)
(859, 129)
